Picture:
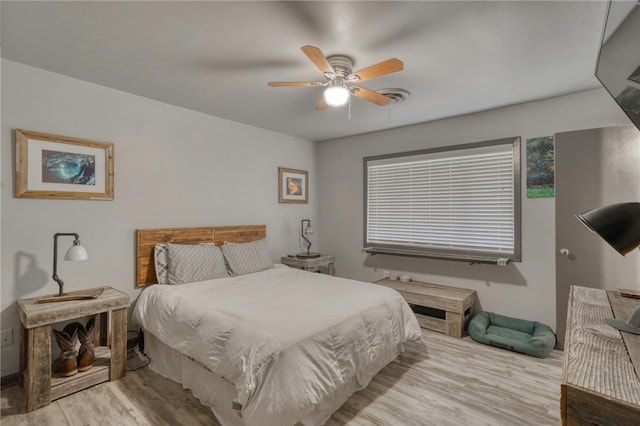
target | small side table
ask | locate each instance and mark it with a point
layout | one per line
(312, 264)
(35, 345)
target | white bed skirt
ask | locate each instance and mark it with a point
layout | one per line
(218, 394)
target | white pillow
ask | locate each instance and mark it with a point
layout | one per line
(194, 262)
(247, 258)
(160, 262)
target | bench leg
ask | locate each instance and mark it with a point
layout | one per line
(454, 324)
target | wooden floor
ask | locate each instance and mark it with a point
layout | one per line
(440, 381)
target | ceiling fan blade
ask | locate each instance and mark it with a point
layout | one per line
(294, 83)
(318, 59)
(321, 105)
(387, 67)
(370, 95)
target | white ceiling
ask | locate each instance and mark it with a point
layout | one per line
(217, 57)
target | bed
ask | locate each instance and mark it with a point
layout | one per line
(269, 344)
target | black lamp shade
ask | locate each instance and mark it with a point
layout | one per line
(618, 224)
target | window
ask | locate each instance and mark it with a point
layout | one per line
(459, 203)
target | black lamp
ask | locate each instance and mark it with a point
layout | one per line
(304, 232)
(619, 225)
(75, 253)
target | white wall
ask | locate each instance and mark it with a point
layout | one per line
(173, 167)
(524, 290)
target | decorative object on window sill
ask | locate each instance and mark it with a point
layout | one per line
(619, 225)
(51, 166)
(293, 186)
(304, 231)
(75, 253)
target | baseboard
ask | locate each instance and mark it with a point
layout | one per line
(9, 380)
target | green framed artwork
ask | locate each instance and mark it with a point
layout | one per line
(540, 167)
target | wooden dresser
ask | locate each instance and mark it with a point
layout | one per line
(600, 382)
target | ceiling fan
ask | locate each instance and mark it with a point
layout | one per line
(337, 69)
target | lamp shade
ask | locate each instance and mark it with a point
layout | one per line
(617, 224)
(76, 252)
(336, 95)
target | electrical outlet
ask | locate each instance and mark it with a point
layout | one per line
(385, 274)
(6, 337)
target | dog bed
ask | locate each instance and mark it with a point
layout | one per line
(518, 335)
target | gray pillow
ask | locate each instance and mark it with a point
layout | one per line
(194, 262)
(160, 262)
(246, 258)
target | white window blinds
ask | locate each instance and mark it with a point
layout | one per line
(458, 201)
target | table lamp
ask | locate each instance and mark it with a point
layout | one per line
(304, 231)
(619, 225)
(75, 253)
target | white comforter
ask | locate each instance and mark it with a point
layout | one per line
(285, 338)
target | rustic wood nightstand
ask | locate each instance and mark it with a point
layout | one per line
(35, 344)
(311, 264)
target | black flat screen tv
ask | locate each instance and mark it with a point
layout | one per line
(618, 65)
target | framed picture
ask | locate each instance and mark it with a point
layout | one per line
(541, 167)
(51, 166)
(293, 186)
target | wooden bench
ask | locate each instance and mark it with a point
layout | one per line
(437, 307)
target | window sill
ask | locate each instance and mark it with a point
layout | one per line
(473, 259)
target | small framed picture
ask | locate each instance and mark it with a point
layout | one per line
(52, 166)
(293, 186)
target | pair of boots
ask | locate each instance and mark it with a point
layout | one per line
(71, 361)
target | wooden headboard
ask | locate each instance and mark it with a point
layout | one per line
(146, 239)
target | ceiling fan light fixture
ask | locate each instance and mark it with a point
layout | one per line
(338, 71)
(336, 95)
